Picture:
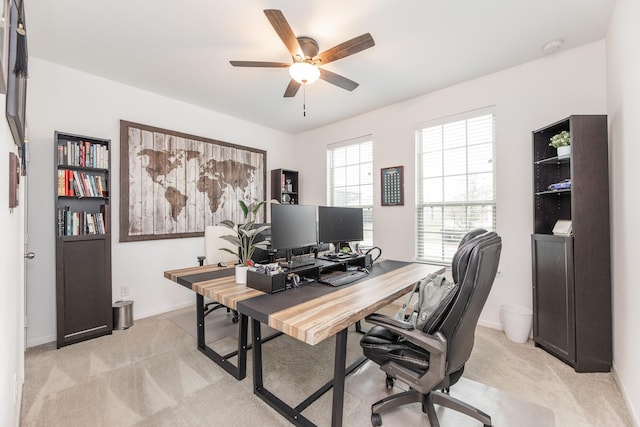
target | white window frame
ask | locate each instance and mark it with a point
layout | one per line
(445, 240)
(367, 184)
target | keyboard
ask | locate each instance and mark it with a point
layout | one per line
(343, 278)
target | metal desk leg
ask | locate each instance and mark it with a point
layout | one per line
(294, 414)
(239, 371)
(338, 378)
(257, 355)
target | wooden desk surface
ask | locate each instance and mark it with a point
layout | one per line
(317, 318)
(321, 317)
(222, 289)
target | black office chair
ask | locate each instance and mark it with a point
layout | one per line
(434, 359)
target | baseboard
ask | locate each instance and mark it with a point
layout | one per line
(625, 396)
(163, 310)
(490, 325)
(51, 338)
(40, 340)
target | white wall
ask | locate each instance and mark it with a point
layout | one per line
(70, 101)
(525, 98)
(623, 105)
(12, 301)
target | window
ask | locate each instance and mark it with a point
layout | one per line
(455, 183)
(350, 179)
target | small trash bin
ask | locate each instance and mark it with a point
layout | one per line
(122, 314)
(516, 322)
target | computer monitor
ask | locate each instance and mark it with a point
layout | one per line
(263, 255)
(339, 225)
(292, 227)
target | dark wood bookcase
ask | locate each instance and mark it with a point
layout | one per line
(571, 273)
(284, 186)
(83, 237)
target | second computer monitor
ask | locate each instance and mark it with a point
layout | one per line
(339, 224)
(293, 226)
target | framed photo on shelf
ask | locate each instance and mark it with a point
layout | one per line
(16, 86)
(392, 184)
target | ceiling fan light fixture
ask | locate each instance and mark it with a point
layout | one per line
(304, 73)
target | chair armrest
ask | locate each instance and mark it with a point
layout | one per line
(435, 344)
(432, 343)
(384, 320)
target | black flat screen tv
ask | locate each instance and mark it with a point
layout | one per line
(339, 224)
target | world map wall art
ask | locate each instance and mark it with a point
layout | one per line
(174, 184)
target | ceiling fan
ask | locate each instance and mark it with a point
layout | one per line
(305, 67)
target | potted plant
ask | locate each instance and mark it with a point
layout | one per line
(562, 143)
(244, 238)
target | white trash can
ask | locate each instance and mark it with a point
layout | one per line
(516, 322)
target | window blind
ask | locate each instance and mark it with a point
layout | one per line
(350, 179)
(455, 183)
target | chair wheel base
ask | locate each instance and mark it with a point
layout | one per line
(389, 382)
(376, 420)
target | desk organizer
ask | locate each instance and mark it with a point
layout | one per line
(265, 283)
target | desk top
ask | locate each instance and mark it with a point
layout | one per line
(322, 314)
(213, 282)
(312, 312)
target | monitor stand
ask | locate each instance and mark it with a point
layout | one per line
(292, 264)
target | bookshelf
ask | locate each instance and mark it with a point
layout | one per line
(284, 186)
(572, 272)
(83, 237)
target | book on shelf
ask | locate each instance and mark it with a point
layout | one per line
(100, 223)
(62, 212)
(61, 183)
(94, 186)
(105, 213)
(76, 223)
(91, 224)
(99, 186)
(82, 154)
(77, 185)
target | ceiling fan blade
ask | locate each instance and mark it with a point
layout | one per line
(259, 64)
(338, 80)
(281, 26)
(292, 89)
(347, 48)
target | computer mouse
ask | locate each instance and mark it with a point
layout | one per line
(222, 264)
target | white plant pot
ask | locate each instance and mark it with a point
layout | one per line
(564, 151)
(241, 274)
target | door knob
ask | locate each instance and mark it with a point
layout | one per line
(30, 255)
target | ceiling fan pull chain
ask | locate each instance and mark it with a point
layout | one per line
(304, 100)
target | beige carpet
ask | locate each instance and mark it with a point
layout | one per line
(152, 375)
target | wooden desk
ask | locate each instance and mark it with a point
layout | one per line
(217, 284)
(314, 312)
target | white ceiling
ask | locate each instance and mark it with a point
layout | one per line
(182, 49)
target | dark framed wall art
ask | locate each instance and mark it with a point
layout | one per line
(174, 184)
(16, 85)
(392, 184)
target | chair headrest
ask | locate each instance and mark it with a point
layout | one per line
(461, 257)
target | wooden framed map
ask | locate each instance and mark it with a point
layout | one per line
(173, 184)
